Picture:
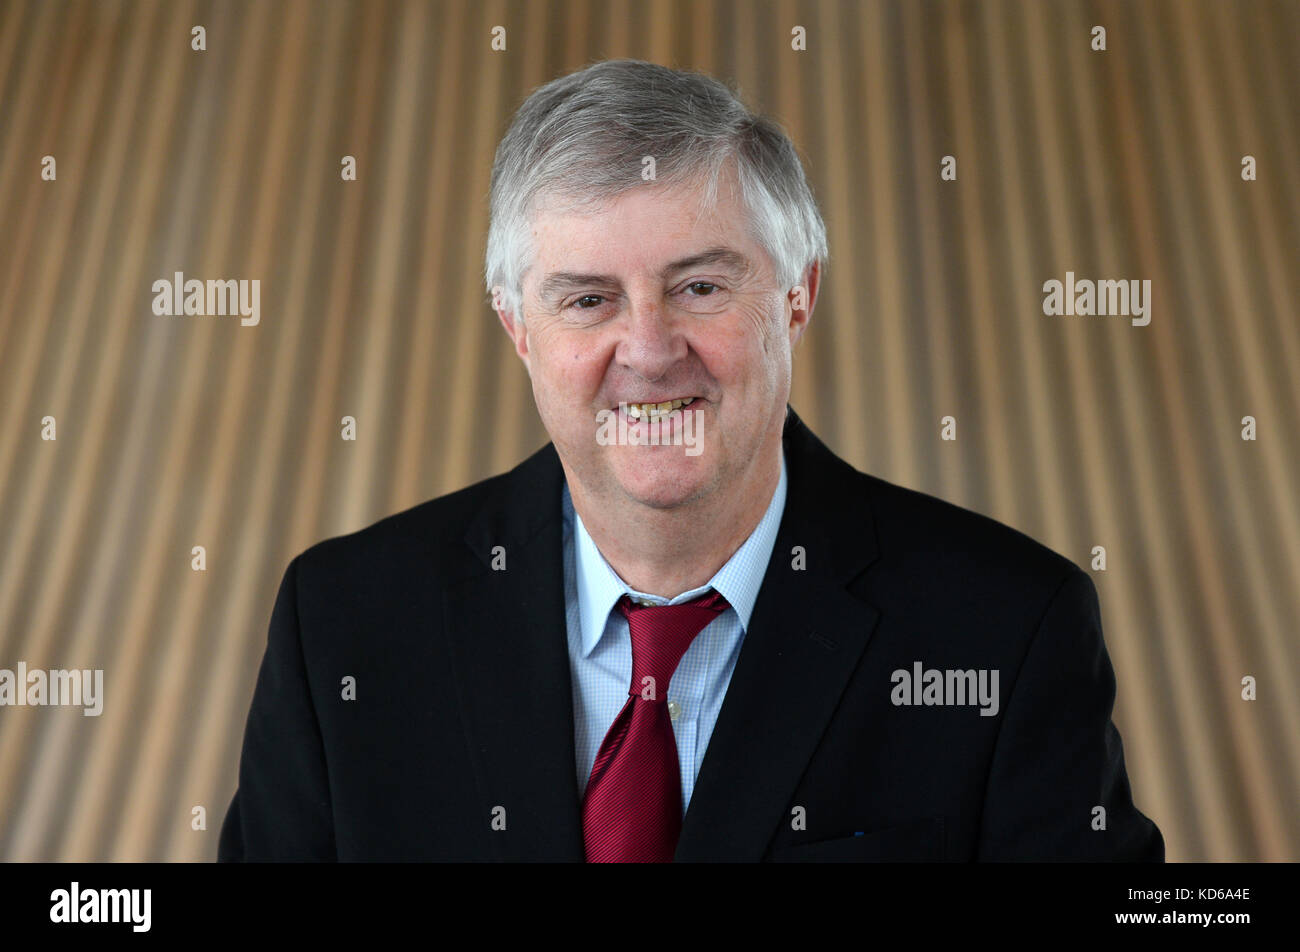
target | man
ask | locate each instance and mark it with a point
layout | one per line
(683, 629)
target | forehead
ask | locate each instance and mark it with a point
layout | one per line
(644, 228)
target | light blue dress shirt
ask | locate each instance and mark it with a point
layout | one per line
(600, 645)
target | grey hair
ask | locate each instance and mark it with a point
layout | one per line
(581, 140)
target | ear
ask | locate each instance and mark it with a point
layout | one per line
(516, 331)
(802, 298)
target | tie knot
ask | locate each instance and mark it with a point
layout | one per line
(660, 636)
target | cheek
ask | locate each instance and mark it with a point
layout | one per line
(752, 345)
(777, 344)
(572, 369)
(731, 361)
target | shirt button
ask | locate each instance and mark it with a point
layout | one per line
(674, 710)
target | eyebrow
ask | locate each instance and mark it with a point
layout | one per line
(558, 281)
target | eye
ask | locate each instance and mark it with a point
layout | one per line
(586, 297)
(706, 284)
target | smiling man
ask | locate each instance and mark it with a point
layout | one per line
(696, 634)
(647, 302)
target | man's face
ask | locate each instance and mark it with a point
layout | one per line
(614, 314)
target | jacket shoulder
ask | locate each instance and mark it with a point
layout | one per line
(955, 543)
(433, 529)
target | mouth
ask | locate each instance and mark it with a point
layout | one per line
(654, 411)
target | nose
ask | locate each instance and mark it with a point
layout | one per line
(652, 342)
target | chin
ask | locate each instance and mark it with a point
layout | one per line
(663, 478)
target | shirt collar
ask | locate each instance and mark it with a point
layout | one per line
(738, 581)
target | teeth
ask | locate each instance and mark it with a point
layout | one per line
(655, 411)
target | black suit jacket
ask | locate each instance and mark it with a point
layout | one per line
(463, 703)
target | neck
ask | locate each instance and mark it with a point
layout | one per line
(669, 551)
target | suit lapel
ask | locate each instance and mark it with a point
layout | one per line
(506, 632)
(805, 639)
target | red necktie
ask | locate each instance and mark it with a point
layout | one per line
(632, 811)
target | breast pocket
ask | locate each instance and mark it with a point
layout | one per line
(915, 841)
